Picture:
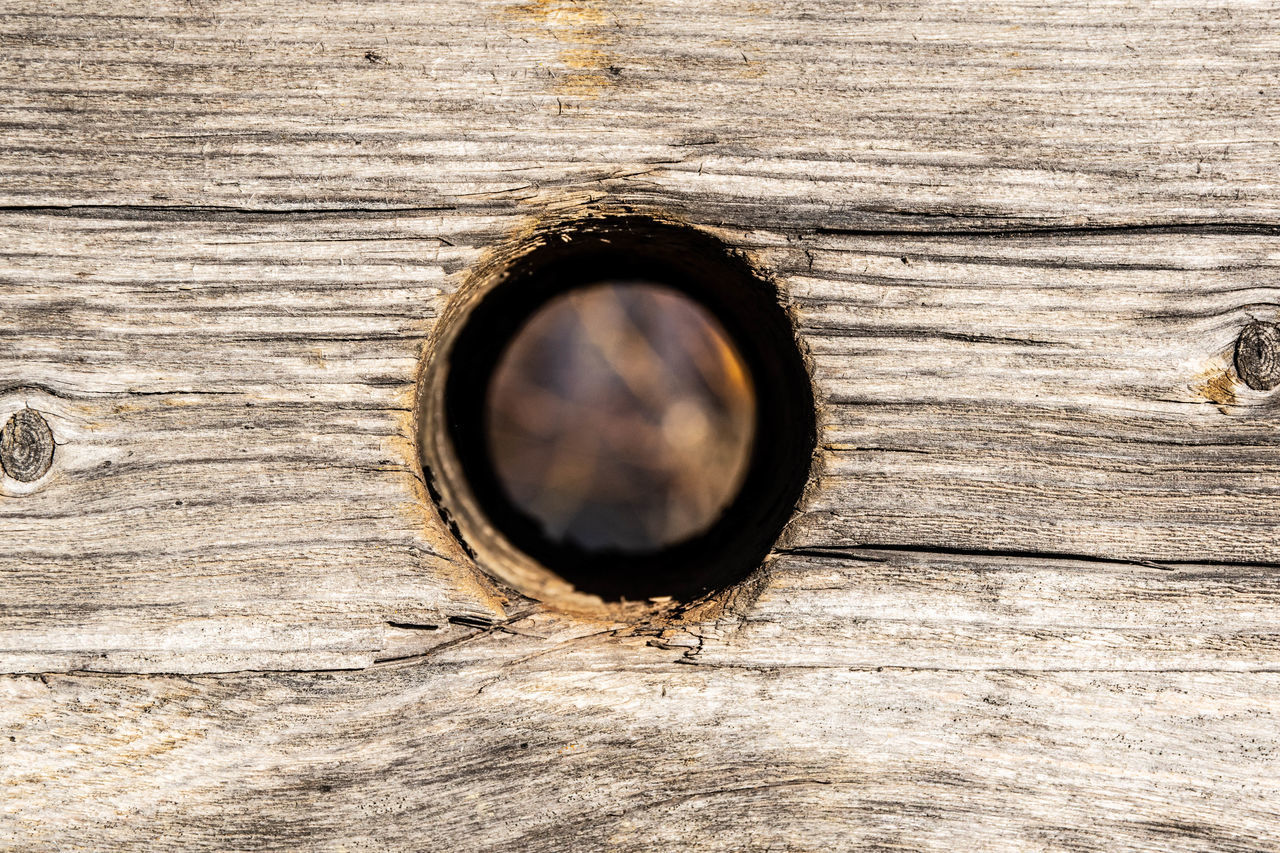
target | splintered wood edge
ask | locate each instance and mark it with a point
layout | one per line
(477, 538)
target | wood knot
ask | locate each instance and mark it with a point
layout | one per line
(26, 446)
(1258, 355)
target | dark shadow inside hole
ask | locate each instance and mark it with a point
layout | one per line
(606, 553)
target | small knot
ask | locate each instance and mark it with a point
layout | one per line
(26, 446)
(1258, 355)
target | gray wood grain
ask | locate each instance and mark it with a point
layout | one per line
(929, 114)
(1029, 600)
(236, 467)
(568, 742)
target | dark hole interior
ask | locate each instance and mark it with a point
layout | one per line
(630, 409)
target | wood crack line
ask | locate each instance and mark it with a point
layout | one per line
(1029, 671)
(197, 212)
(1169, 226)
(866, 553)
(930, 223)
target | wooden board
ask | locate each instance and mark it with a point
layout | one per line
(1029, 600)
(606, 743)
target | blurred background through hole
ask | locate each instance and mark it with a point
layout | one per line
(621, 417)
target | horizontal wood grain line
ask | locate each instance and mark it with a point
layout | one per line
(380, 663)
(131, 212)
(929, 223)
(800, 668)
(868, 551)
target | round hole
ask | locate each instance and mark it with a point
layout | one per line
(616, 410)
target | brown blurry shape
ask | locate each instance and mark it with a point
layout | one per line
(621, 417)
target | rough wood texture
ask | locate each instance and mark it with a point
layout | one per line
(932, 114)
(1030, 599)
(605, 743)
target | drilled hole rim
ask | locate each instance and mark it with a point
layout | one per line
(489, 310)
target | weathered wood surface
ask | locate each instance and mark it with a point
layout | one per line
(888, 113)
(235, 466)
(1030, 598)
(606, 743)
